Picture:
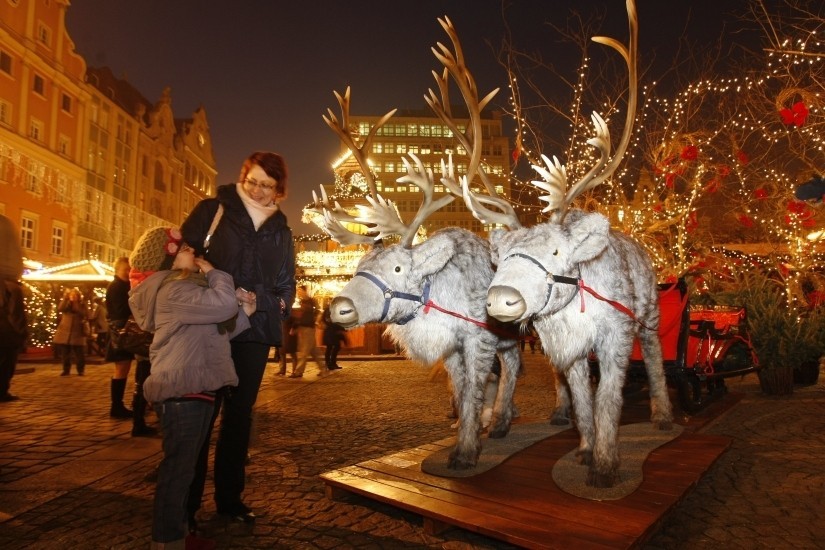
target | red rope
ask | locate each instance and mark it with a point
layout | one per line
(494, 330)
(621, 307)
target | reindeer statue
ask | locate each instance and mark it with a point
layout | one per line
(432, 294)
(585, 287)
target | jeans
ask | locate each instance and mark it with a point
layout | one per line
(184, 424)
(233, 438)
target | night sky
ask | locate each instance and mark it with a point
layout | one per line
(265, 70)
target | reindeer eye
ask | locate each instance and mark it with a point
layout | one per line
(398, 269)
(556, 252)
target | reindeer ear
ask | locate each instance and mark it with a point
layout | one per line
(431, 256)
(588, 235)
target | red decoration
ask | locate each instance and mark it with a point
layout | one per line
(516, 154)
(760, 194)
(723, 170)
(690, 152)
(745, 220)
(796, 115)
(692, 222)
(712, 186)
(742, 157)
(670, 180)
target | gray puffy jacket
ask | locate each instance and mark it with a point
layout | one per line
(188, 353)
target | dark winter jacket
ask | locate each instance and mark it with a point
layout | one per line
(117, 300)
(261, 261)
(13, 326)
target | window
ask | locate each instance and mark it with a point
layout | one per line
(36, 129)
(39, 85)
(58, 240)
(5, 112)
(66, 103)
(32, 184)
(28, 227)
(44, 34)
(5, 62)
(64, 145)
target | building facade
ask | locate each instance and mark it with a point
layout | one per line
(426, 136)
(86, 162)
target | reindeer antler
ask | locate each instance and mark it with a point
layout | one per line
(559, 198)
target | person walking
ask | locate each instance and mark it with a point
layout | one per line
(244, 232)
(305, 326)
(289, 346)
(70, 336)
(117, 310)
(334, 337)
(193, 311)
(13, 325)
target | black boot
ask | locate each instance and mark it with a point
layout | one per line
(139, 427)
(118, 410)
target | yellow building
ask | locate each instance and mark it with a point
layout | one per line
(86, 162)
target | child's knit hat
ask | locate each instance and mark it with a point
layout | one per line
(155, 251)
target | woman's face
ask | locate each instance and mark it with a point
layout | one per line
(185, 258)
(259, 186)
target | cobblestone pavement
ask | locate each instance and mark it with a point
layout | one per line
(71, 477)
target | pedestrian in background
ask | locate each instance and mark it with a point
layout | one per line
(289, 346)
(117, 310)
(305, 326)
(243, 232)
(193, 311)
(334, 337)
(13, 326)
(70, 336)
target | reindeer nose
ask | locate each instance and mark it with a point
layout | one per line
(342, 312)
(505, 303)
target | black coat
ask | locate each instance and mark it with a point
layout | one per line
(261, 261)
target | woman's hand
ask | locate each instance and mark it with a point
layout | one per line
(204, 265)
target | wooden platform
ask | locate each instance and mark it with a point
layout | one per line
(518, 502)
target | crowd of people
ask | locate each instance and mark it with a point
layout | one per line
(217, 295)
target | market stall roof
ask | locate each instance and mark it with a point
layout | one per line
(82, 271)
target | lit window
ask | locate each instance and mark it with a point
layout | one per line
(5, 112)
(27, 233)
(36, 130)
(58, 239)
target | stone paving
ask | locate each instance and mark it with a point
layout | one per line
(71, 477)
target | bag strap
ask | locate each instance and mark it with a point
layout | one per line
(215, 221)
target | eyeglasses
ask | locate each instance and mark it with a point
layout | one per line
(252, 184)
(185, 248)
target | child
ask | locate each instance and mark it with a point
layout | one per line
(192, 315)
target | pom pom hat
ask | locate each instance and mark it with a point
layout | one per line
(155, 251)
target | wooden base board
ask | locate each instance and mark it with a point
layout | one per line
(518, 502)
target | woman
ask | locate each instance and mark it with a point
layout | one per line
(253, 243)
(192, 315)
(70, 335)
(117, 311)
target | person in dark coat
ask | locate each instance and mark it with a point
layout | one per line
(13, 326)
(117, 312)
(334, 337)
(253, 243)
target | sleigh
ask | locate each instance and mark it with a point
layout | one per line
(701, 346)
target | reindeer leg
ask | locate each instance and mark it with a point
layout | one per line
(661, 413)
(561, 412)
(503, 410)
(578, 380)
(468, 383)
(604, 470)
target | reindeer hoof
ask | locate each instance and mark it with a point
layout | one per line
(499, 432)
(664, 425)
(585, 458)
(600, 481)
(458, 462)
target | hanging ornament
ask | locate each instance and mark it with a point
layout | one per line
(796, 115)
